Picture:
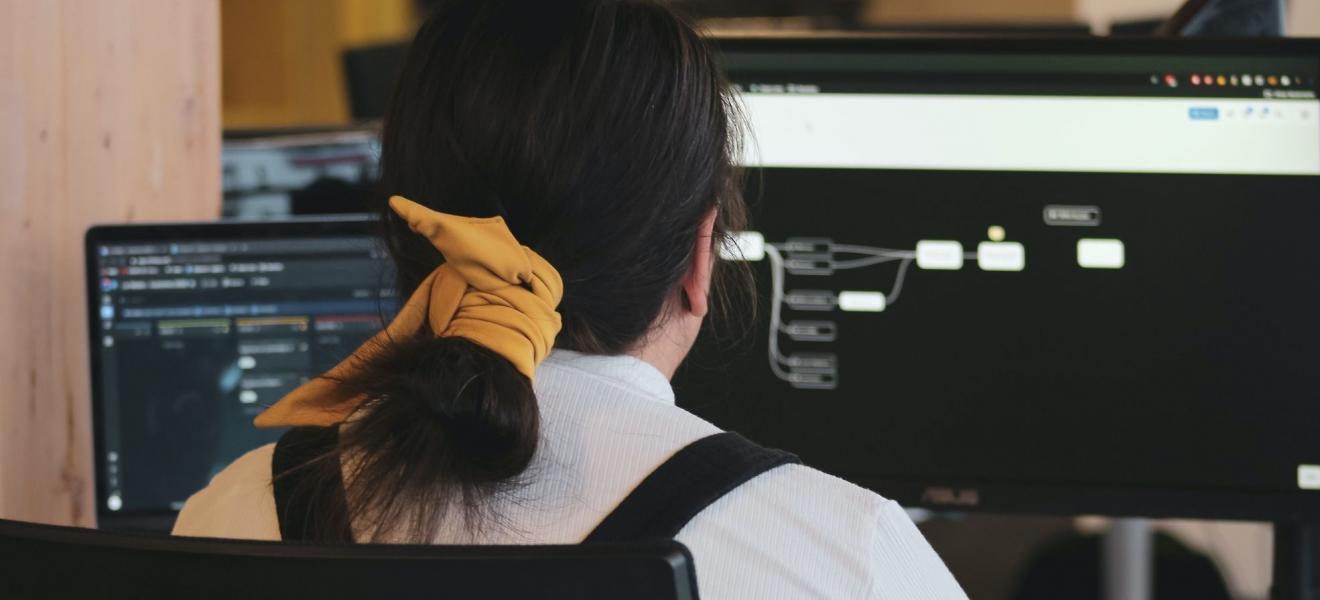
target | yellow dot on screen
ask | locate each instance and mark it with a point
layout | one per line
(996, 233)
(1221, 80)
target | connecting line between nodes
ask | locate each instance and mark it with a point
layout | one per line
(777, 360)
(898, 281)
(820, 257)
(872, 256)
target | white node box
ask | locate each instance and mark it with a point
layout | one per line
(744, 245)
(939, 255)
(862, 301)
(1308, 477)
(1101, 254)
(1001, 256)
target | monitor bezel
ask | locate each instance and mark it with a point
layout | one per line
(339, 225)
(1108, 499)
(981, 44)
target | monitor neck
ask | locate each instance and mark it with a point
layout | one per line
(1296, 561)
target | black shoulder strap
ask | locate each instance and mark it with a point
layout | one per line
(299, 505)
(686, 484)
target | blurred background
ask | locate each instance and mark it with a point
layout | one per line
(304, 81)
(298, 63)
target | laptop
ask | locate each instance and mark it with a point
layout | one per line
(196, 328)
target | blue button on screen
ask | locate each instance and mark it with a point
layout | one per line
(1201, 113)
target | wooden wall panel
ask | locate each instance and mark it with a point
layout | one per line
(283, 59)
(281, 63)
(968, 11)
(375, 21)
(1303, 18)
(109, 112)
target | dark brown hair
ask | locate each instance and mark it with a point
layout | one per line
(603, 132)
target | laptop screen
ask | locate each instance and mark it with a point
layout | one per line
(198, 328)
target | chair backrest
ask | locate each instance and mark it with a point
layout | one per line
(42, 561)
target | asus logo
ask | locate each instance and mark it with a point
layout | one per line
(946, 496)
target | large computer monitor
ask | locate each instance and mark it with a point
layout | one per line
(1064, 276)
(195, 328)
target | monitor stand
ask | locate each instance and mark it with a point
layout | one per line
(1127, 557)
(1296, 561)
(1128, 561)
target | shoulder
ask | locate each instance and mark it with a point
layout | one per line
(238, 503)
(807, 533)
(578, 402)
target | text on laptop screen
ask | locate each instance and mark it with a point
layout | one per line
(198, 336)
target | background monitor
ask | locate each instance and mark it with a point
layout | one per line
(371, 72)
(1225, 18)
(1064, 276)
(273, 174)
(196, 328)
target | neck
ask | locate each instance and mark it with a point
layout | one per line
(663, 362)
(668, 344)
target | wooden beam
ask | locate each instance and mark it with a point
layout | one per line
(283, 61)
(964, 12)
(109, 112)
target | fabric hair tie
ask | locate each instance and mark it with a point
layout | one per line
(491, 290)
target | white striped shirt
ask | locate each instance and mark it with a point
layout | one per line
(607, 423)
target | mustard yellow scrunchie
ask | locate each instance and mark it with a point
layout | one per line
(491, 290)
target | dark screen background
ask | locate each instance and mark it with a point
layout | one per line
(173, 374)
(1194, 366)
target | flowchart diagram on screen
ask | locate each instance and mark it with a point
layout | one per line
(817, 259)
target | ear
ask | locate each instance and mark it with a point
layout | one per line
(696, 284)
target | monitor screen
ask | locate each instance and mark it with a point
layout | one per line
(1075, 276)
(197, 328)
(275, 174)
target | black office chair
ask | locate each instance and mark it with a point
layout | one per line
(42, 561)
